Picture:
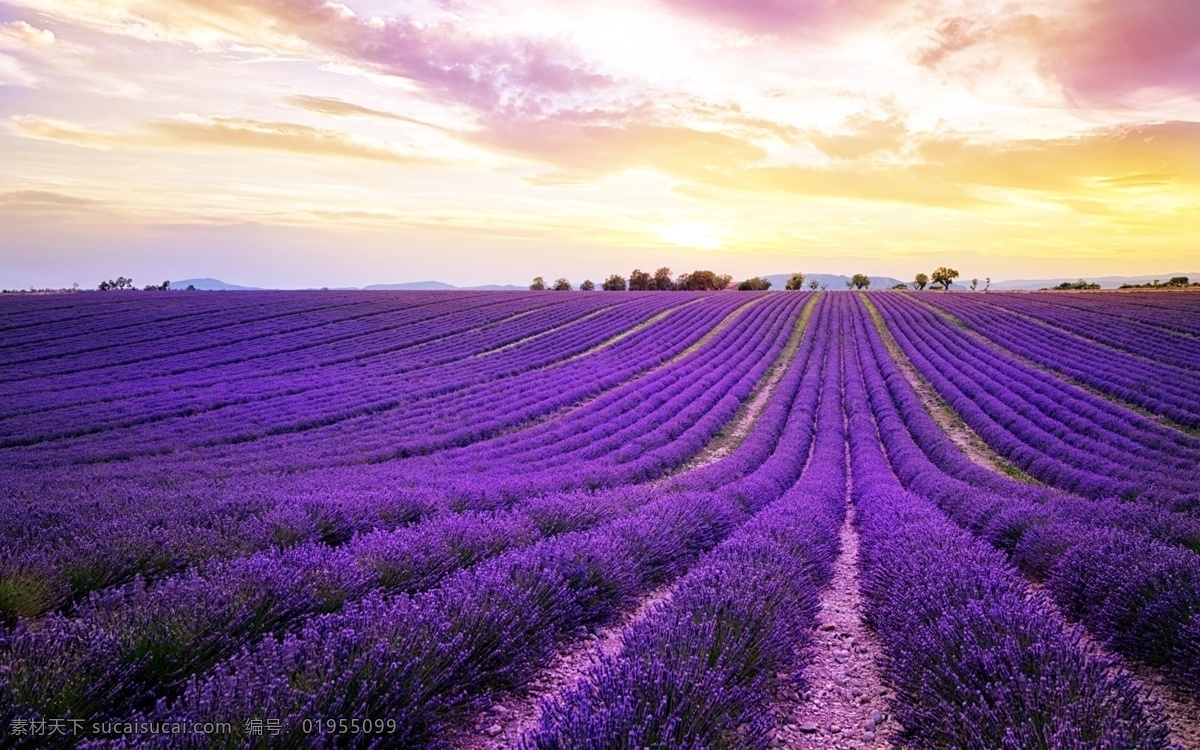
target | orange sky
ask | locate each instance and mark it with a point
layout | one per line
(301, 143)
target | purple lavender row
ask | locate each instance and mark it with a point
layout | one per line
(927, 462)
(102, 485)
(239, 337)
(45, 578)
(488, 401)
(407, 560)
(974, 659)
(146, 399)
(700, 671)
(125, 643)
(421, 660)
(1098, 424)
(77, 334)
(302, 407)
(1178, 313)
(143, 338)
(684, 430)
(1057, 433)
(438, 325)
(461, 651)
(1134, 336)
(125, 646)
(77, 316)
(654, 422)
(1160, 388)
(199, 382)
(1118, 569)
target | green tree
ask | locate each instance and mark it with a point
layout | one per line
(755, 284)
(614, 283)
(587, 286)
(861, 281)
(974, 283)
(703, 281)
(920, 281)
(1178, 281)
(538, 285)
(662, 280)
(119, 284)
(562, 285)
(796, 283)
(944, 276)
(640, 281)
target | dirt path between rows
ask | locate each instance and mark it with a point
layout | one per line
(968, 441)
(510, 716)
(1064, 377)
(739, 428)
(1178, 708)
(845, 705)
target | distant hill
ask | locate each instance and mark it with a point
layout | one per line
(1105, 282)
(213, 285)
(411, 286)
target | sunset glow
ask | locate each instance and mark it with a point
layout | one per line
(304, 143)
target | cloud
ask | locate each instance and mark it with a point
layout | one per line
(19, 44)
(1099, 52)
(1117, 48)
(20, 33)
(889, 184)
(861, 135)
(44, 199)
(190, 132)
(1105, 160)
(339, 108)
(583, 150)
(450, 60)
(777, 17)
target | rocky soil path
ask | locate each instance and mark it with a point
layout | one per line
(502, 724)
(846, 703)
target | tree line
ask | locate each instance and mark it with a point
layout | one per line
(643, 281)
(121, 284)
(662, 281)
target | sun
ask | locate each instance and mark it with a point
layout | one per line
(694, 234)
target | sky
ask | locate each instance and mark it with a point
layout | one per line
(297, 143)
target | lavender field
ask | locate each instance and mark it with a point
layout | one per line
(532, 520)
